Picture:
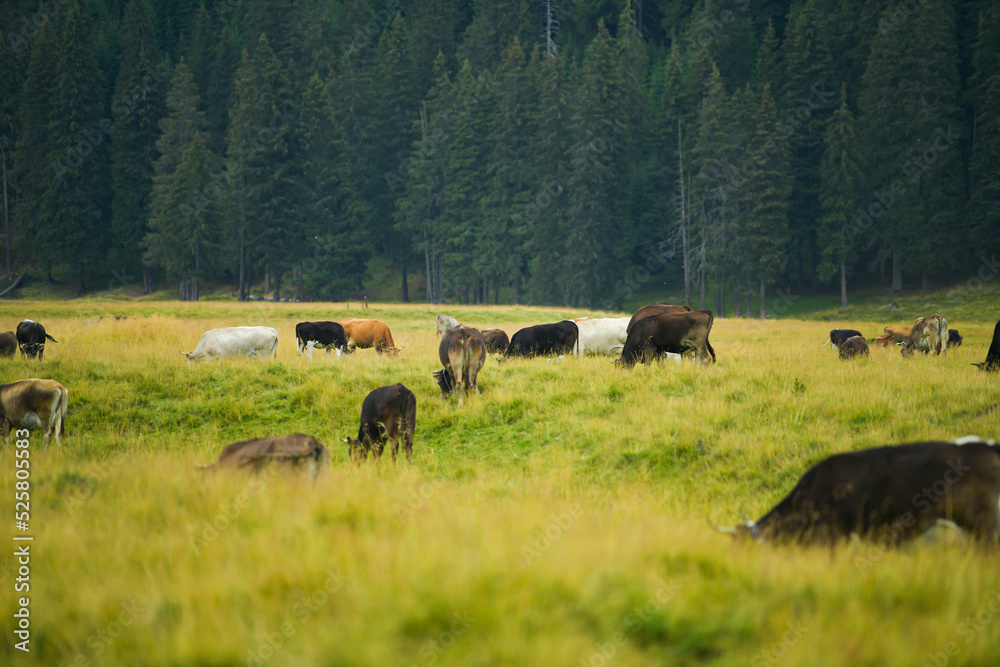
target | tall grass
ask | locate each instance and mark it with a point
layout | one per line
(563, 516)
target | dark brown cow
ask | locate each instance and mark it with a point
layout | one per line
(462, 353)
(992, 362)
(386, 413)
(496, 340)
(33, 404)
(890, 494)
(855, 346)
(369, 333)
(928, 334)
(654, 309)
(8, 344)
(669, 332)
(291, 450)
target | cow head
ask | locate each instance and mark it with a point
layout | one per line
(443, 378)
(32, 350)
(357, 449)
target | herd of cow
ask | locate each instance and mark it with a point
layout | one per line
(887, 493)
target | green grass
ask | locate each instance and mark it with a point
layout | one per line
(563, 516)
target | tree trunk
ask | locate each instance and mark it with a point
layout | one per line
(763, 303)
(685, 256)
(184, 289)
(405, 293)
(147, 281)
(843, 283)
(925, 282)
(749, 291)
(427, 268)
(897, 270)
(517, 289)
(195, 292)
(242, 296)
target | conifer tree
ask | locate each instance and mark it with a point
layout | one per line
(9, 87)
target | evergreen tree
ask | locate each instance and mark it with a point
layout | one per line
(136, 109)
(983, 225)
(9, 85)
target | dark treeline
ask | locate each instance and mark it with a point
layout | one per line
(563, 152)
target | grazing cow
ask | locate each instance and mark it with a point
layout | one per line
(928, 333)
(885, 340)
(386, 413)
(838, 336)
(462, 352)
(290, 450)
(669, 332)
(855, 346)
(369, 333)
(992, 362)
(446, 324)
(602, 335)
(496, 340)
(898, 334)
(890, 494)
(31, 339)
(655, 309)
(8, 344)
(954, 338)
(556, 338)
(235, 342)
(33, 404)
(321, 336)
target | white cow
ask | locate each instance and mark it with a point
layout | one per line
(445, 324)
(235, 342)
(602, 335)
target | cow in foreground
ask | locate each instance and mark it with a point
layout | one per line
(855, 346)
(602, 335)
(890, 494)
(462, 352)
(445, 323)
(654, 309)
(669, 332)
(235, 342)
(928, 334)
(387, 413)
(838, 336)
(496, 340)
(8, 344)
(992, 362)
(556, 338)
(369, 333)
(289, 450)
(320, 336)
(34, 404)
(31, 339)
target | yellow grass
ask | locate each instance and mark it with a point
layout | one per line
(562, 517)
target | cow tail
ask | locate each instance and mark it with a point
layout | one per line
(711, 321)
(51, 338)
(62, 405)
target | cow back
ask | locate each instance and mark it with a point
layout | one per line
(654, 309)
(496, 340)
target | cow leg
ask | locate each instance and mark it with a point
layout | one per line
(6, 432)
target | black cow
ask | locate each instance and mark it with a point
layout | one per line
(855, 346)
(838, 336)
(557, 338)
(31, 339)
(954, 338)
(320, 335)
(386, 413)
(496, 340)
(8, 344)
(669, 332)
(992, 362)
(890, 494)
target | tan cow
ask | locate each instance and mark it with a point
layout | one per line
(32, 404)
(369, 333)
(462, 352)
(292, 450)
(655, 309)
(928, 334)
(897, 334)
(8, 344)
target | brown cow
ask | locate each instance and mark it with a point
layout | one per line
(928, 333)
(669, 332)
(654, 309)
(292, 450)
(855, 346)
(890, 494)
(386, 413)
(8, 344)
(369, 333)
(496, 340)
(462, 352)
(885, 340)
(898, 334)
(32, 404)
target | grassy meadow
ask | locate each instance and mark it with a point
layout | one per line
(562, 517)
